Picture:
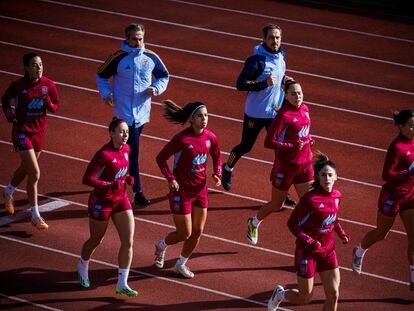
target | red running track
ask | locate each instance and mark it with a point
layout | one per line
(368, 74)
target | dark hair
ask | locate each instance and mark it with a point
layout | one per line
(401, 117)
(26, 61)
(289, 83)
(114, 123)
(268, 27)
(133, 27)
(320, 161)
(27, 57)
(176, 114)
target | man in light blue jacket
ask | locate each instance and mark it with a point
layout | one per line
(137, 74)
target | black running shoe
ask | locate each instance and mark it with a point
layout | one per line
(289, 201)
(140, 201)
(226, 178)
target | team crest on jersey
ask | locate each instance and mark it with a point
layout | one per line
(337, 202)
(145, 60)
(126, 156)
(307, 115)
(208, 143)
(44, 90)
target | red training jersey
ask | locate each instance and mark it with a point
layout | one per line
(291, 125)
(190, 152)
(315, 218)
(107, 172)
(31, 101)
(398, 172)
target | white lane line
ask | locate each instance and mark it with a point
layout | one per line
(294, 21)
(28, 302)
(26, 214)
(222, 32)
(231, 194)
(212, 114)
(139, 272)
(373, 275)
(267, 250)
(98, 61)
(191, 52)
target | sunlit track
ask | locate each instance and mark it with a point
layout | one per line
(231, 194)
(28, 302)
(239, 61)
(223, 117)
(214, 237)
(202, 54)
(146, 274)
(223, 32)
(369, 34)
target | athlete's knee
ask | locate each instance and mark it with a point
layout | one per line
(33, 176)
(183, 235)
(332, 295)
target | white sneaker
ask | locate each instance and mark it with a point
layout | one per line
(252, 232)
(159, 255)
(356, 262)
(276, 298)
(183, 270)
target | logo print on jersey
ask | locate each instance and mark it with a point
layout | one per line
(44, 90)
(190, 146)
(321, 205)
(36, 103)
(337, 202)
(304, 132)
(121, 173)
(295, 120)
(329, 220)
(208, 143)
(114, 161)
(200, 159)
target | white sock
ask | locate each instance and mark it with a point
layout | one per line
(360, 251)
(256, 222)
(412, 272)
(122, 278)
(227, 168)
(35, 212)
(182, 260)
(9, 190)
(83, 267)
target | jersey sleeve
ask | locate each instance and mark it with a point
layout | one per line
(389, 173)
(337, 226)
(108, 69)
(8, 110)
(172, 147)
(252, 69)
(97, 165)
(52, 101)
(299, 216)
(161, 75)
(216, 156)
(277, 127)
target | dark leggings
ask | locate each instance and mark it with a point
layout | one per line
(251, 129)
(133, 142)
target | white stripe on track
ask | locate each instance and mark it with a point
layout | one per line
(222, 32)
(373, 275)
(231, 194)
(208, 55)
(216, 115)
(370, 34)
(139, 272)
(28, 302)
(289, 70)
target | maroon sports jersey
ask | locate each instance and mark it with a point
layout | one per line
(107, 172)
(190, 152)
(315, 218)
(31, 101)
(398, 172)
(290, 126)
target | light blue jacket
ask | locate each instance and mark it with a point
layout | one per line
(262, 100)
(133, 70)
